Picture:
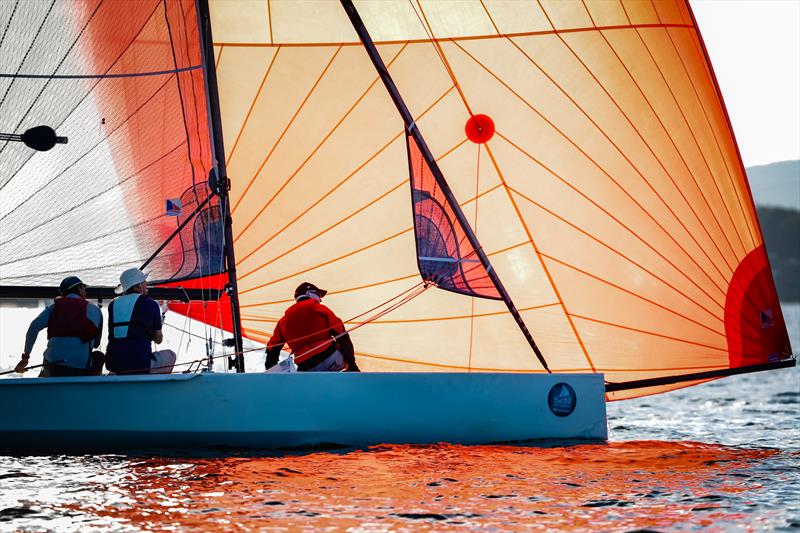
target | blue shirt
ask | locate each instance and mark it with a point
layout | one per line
(132, 354)
(65, 351)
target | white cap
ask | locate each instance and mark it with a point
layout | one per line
(129, 278)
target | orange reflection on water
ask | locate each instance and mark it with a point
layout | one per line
(616, 486)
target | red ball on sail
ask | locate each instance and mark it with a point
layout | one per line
(479, 128)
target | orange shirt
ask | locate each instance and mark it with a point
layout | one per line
(307, 327)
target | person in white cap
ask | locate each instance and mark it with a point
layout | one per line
(134, 321)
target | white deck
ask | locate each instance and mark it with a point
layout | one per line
(267, 411)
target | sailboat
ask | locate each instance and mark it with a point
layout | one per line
(523, 209)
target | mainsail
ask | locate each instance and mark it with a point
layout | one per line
(585, 143)
(123, 81)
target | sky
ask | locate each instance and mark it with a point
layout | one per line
(754, 47)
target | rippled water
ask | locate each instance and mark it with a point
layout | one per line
(721, 456)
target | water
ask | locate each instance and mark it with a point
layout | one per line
(721, 456)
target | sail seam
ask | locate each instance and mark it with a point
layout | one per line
(90, 150)
(710, 128)
(601, 169)
(378, 283)
(612, 217)
(58, 66)
(708, 168)
(694, 138)
(323, 231)
(91, 198)
(609, 247)
(652, 151)
(364, 164)
(532, 371)
(539, 257)
(639, 173)
(256, 318)
(445, 39)
(713, 77)
(280, 138)
(651, 333)
(330, 261)
(496, 279)
(713, 131)
(8, 25)
(100, 76)
(92, 88)
(252, 105)
(28, 51)
(632, 293)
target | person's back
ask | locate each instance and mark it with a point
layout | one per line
(315, 335)
(74, 328)
(308, 327)
(134, 322)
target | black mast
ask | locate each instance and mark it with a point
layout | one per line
(221, 184)
(411, 127)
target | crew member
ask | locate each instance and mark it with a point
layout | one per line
(74, 328)
(314, 333)
(134, 321)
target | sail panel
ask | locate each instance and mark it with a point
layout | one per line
(610, 197)
(445, 256)
(123, 81)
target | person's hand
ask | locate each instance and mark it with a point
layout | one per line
(22, 366)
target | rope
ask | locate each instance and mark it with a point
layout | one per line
(404, 297)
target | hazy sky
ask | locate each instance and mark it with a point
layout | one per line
(755, 49)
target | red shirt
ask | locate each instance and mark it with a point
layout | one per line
(307, 327)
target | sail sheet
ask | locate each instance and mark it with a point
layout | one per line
(611, 198)
(123, 82)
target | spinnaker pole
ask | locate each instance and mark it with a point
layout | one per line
(222, 187)
(412, 129)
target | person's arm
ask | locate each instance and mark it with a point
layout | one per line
(348, 352)
(96, 316)
(274, 347)
(37, 325)
(155, 310)
(345, 345)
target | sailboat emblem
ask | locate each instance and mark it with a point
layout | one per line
(562, 399)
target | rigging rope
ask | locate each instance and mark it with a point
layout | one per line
(399, 300)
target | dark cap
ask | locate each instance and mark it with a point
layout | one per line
(69, 283)
(305, 287)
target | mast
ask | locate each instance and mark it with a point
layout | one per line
(411, 128)
(220, 183)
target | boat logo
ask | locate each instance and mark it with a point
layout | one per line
(174, 207)
(562, 399)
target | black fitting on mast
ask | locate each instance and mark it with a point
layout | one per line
(220, 183)
(412, 129)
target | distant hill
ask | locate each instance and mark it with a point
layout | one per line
(781, 228)
(776, 184)
(776, 191)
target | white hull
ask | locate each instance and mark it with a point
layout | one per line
(268, 411)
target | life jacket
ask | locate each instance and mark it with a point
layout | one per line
(69, 319)
(119, 315)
